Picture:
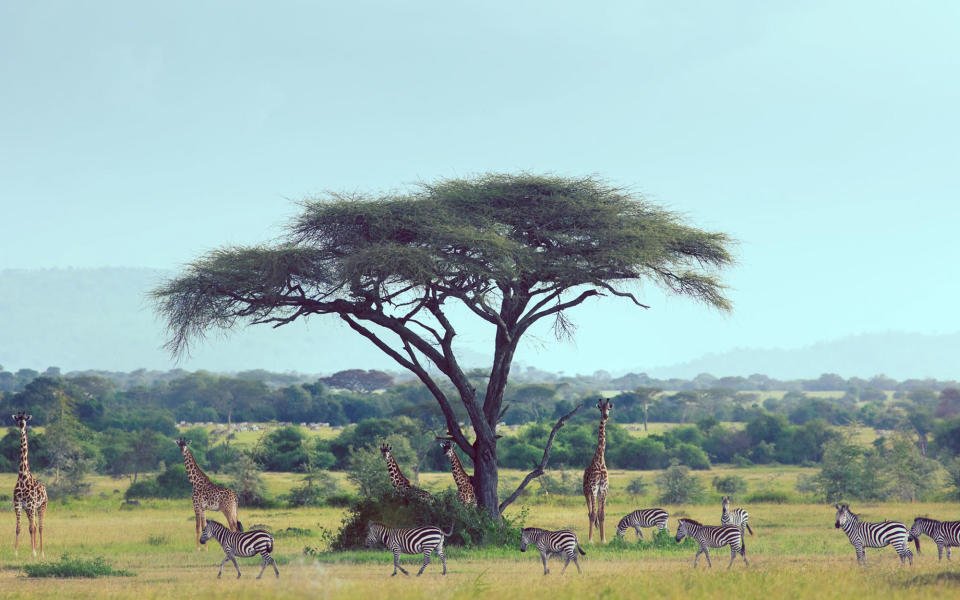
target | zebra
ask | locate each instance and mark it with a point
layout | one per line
(562, 543)
(242, 544)
(409, 541)
(873, 535)
(713, 536)
(944, 533)
(646, 517)
(737, 516)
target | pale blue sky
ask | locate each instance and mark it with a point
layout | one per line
(824, 136)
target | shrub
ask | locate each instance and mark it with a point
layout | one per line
(678, 486)
(171, 483)
(69, 566)
(317, 487)
(472, 526)
(730, 485)
(637, 487)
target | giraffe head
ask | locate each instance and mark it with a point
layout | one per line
(183, 443)
(844, 515)
(21, 419)
(605, 407)
(446, 447)
(385, 451)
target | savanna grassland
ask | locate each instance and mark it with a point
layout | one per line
(796, 553)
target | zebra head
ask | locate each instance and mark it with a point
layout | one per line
(726, 503)
(374, 533)
(622, 527)
(605, 407)
(208, 531)
(681, 530)
(844, 515)
(526, 536)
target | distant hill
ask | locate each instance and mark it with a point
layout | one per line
(894, 354)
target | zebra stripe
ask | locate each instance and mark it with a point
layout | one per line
(563, 543)
(415, 540)
(645, 517)
(944, 533)
(242, 544)
(873, 535)
(738, 516)
(713, 536)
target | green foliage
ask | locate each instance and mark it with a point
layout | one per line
(317, 486)
(283, 450)
(171, 483)
(637, 487)
(248, 483)
(368, 470)
(678, 486)
(730, 485)
(473, 527)
(69, 566)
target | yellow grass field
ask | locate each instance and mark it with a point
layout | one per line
(796, 553)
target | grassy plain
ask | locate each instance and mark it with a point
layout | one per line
(796, 553)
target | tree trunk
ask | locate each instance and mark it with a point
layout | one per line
(645, 405)
(485, 476)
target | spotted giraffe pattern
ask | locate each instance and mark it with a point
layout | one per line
(465, 493)
(400, 483)
(29, 494)
(207, 495)
(595, 480)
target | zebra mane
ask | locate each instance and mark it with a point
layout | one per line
(215, 524)
(692, 521)
(925, 520)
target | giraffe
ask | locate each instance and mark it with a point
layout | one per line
(400, 483)
(595, 481)
(465, 492)
(28, 493)
(207, 495)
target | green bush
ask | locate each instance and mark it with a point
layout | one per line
(317, 487)
(678, 486)
(730, 485)
(472, 526)
(69, 566)
(172, 483)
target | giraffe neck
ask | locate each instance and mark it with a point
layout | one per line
(24, 472)
(459, 474)
(598, 456)
(399, 481)
(194, 473)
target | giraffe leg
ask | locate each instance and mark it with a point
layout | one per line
(601, 513)
(591, 512)
(16, 540)
(32, 525)
(200, 525)
(40, 515)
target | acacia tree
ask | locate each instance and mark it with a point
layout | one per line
(513, 249)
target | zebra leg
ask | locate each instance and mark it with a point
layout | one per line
(567, 564)
(948, 552)
(577, 562)
(263, 566)
(639, 532)
(443, 559)
(940, 553)
(220, 572)
(861, 556)
(543, 557)
(231, 557)
(733, 555)
(273, 563)
(396, 563)
(707, 554)
(696, 557)
(426, 560)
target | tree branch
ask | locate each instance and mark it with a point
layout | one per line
(538, 470)
(531, 317)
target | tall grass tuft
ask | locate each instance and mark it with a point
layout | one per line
(70, 566)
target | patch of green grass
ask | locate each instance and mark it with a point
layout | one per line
(70, 566)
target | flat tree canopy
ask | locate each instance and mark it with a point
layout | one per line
(514, 249)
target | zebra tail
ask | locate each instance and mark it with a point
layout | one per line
(449, 533)
(270, 547)
(579, 549)
(748, 528)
